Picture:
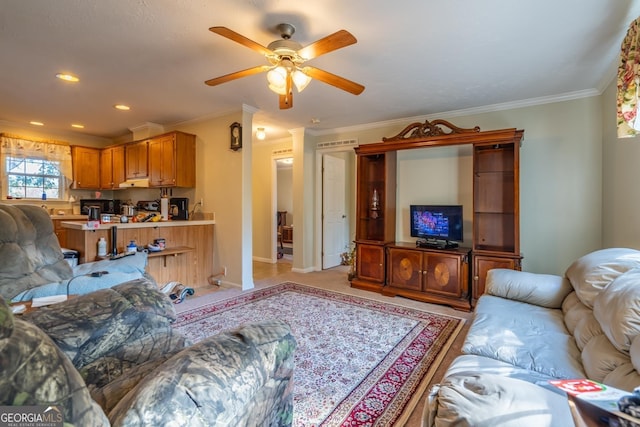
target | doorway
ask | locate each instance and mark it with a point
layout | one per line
(336, 178)
(285, 215)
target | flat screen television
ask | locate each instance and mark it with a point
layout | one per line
(436, 222)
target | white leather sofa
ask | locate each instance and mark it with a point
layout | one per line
(529, 328)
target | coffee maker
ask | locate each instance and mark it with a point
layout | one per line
(179, 208)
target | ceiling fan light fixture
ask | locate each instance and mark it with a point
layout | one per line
(300, 79)
(277, 76)
(280, 90)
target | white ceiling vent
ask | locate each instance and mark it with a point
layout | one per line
(342, 143)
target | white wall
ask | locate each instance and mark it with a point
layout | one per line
(621, 178)
(218, 183)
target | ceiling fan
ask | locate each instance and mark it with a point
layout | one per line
(286, 58)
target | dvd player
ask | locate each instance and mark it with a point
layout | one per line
(435, 244)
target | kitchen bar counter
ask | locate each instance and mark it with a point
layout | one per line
(188, 257)
(82, 225)
(69, 217)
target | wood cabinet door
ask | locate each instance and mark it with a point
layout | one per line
(162, 161)
(112, 167)
(443, 274)
(136, 160)
(86, 167)
(118, 174)
(482, 264)
(106, 171)
(405, 269)
(60, 232)
(370, 265)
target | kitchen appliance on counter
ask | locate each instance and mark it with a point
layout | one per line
(128, 210)
(148, 205)
(179, 208)
(110, 206)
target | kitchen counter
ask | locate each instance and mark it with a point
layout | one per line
(188, 257)
(70, 217)
(82, 225)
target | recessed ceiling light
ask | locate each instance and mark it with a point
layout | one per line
(35, 123)
(122, 107)
(77, 126)
(67, 77)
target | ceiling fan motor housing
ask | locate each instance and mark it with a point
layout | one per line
(286, 48)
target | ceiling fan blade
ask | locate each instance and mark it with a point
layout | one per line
(237, 75)
(332, 42)
(286, 101)
(333, 80)
(239, 38)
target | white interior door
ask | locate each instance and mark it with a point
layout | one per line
(334, 218)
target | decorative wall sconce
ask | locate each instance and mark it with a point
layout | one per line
(261, 134)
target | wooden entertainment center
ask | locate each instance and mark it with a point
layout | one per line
(438, 275)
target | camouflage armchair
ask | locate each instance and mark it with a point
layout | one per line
(111, 357)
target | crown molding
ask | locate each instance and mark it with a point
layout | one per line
(464, 112)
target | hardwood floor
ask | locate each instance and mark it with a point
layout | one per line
(265, 270)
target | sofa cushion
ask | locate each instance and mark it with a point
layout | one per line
(469, 364)
(524, 335)
(29, 249)
(33, 371)
(97, 324)
(600, 358)
(235, 378)
(618, 309)
(545, 290)
(119, 271)
(595, 271)
(486, 400)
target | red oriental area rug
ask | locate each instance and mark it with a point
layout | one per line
(358, 362)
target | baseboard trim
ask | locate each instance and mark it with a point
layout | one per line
(303, 270)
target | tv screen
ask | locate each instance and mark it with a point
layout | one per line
(440, 222)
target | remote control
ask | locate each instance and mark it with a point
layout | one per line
(122, 255)
(98, 273)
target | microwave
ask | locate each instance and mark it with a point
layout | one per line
(109, 206)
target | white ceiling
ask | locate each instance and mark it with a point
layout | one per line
(415, 58)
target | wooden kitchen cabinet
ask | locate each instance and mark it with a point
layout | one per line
(136, 160)
(112, 167)
(429, 275)
(482, 264)
(172, 160)
(60, 232)
(86, 167)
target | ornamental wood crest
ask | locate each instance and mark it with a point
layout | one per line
(428, 129)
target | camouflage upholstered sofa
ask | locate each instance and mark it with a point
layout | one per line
(111, 357)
